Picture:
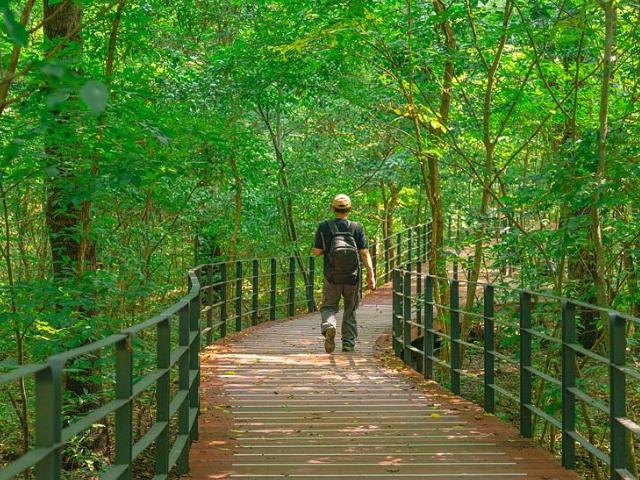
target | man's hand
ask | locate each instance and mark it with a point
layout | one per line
(371, 284)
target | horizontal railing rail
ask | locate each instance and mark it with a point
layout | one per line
(548, 353)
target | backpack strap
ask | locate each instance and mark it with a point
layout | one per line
(333, 226)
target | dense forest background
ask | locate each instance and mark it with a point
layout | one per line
(141, 137)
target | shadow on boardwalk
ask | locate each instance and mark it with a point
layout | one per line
(276, 406)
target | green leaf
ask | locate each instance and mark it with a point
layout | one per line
(95, 95)
(15, 29)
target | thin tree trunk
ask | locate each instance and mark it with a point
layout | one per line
(237, 218)
(22, 410)
(600, 173)
(489, 147)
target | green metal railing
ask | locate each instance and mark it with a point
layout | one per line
(222, 297)
(548, 355)
(181, 404)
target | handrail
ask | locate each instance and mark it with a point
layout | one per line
(415, 312)
(216, 301)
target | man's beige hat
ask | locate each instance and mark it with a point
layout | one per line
(341, 201)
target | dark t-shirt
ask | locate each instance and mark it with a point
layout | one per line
(324, 236)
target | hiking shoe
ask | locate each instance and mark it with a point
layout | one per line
(330, 339)
(347, 348)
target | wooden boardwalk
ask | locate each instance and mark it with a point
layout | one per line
(276, 406)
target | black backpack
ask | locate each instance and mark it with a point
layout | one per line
(343, 257)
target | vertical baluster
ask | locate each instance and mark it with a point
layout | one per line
(163, 396)
(398, 258)
(617, 394)
(311, 302)
(409, 249)
(274, 286)
(489, 348)
(209, 301)
(183, 387)
(429, 337)
(406, 317)
(455, 335)
(223, 299)
(374, 260)
(419, 303)
(194, 365)
(425, 242)
(292, 287)
(238, 296)
(255, 297)
(48, 427)
(568, 383)
(397, 312)
(526, 425)
(428, 246)
(124, 414)
(387, 246)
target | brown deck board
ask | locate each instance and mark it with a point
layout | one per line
(276, 406)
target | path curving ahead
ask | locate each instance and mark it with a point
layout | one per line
(276, 406)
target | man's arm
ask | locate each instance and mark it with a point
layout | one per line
(365, 256)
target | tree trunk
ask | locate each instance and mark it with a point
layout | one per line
(489, 150)
(62, 212)
(237, 218)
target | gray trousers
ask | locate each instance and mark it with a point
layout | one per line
(331, 294)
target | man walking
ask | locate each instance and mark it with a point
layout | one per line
(344, 246)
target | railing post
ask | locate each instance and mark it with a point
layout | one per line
(397, 312)
(182, 465)
(429, 337)
(292, 286)
(255, 297)
(273, 286)
(163, 396)
(617, 394)
(429, 241)
(387, 247)
(419, 304)
(418, 243)
(311, 302)
(454, 304)
(489, 348)
(194, 364)
(406, 318)
(425, 242)
(124, 414)
(209, 301)
(374, 260)
(455, 268)
(398, 260)
(526, 425)
(223, 299)
(238, 308)
(48, 398)
(568, 383)
(409, 248)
